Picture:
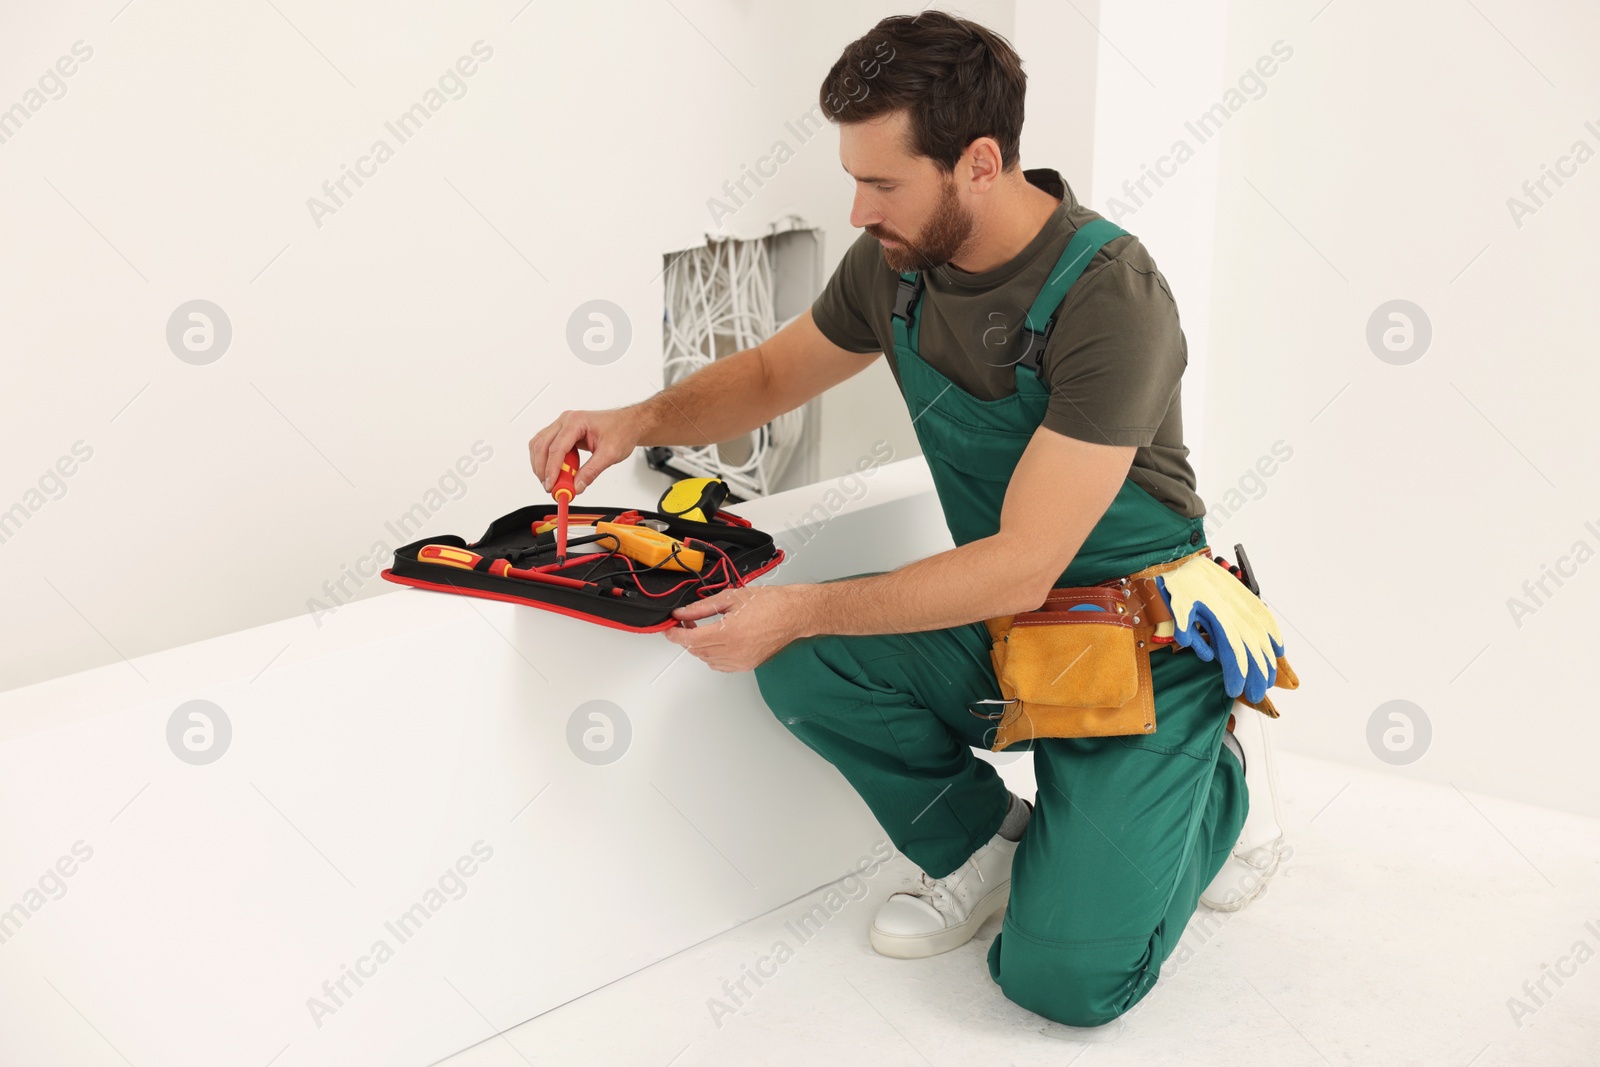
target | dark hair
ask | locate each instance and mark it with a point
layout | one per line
(958, 80)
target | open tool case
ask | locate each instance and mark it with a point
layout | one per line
(734, 552)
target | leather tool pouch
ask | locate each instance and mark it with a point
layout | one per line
(1079, 664)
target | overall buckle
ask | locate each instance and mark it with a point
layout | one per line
(1033, 354)
(906, 295)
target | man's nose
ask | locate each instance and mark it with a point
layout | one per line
(862, 213)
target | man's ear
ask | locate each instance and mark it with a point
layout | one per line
(982, 158)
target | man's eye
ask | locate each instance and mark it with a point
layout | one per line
(886, 188)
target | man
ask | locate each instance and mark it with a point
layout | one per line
(1057, 453)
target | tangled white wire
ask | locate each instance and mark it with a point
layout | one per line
(719, 301)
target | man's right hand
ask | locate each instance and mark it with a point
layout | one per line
(608, 436)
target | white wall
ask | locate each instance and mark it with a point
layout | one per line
(1161, 64)
(370, 355)
(870, 407)
(421, 326)
(1060, 54)
(1417, 498)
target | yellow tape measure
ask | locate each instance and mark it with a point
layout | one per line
(695, 499)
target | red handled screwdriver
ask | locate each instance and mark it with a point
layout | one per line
(463, 559)
(563, 494)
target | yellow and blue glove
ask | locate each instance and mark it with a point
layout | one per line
(1239, 631)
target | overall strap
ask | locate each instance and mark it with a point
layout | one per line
(1041, 319)
(904, 316)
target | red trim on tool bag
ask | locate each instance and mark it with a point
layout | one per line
(509, 599)
(487, 595)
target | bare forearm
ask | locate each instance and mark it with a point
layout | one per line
(979, 580)
(716, 403)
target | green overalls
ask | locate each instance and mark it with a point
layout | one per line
(1126, 831)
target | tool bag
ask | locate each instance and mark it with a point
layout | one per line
(734, 551)
(1079, 664)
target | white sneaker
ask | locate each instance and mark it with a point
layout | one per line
(1260, 849)
(943, 913)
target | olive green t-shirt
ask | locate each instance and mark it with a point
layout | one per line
(1114, 363)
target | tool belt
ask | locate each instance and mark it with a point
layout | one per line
(1084, 673)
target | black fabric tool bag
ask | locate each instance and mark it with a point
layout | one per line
(730, 546)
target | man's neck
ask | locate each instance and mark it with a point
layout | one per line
(1016, 221)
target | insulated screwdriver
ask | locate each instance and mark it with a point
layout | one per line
(563, 494)
(450, 556)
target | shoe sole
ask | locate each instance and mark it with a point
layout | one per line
(921, 946)
(1264, 876)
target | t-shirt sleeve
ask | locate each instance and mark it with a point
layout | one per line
(1115, 358)
(840, 310)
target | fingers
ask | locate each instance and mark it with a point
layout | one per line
(1190, 637)
(541, 451)
(690, 612)
(1232, 676)
(537, 447)
(1193, 631)
(605, 435)
(1265, 640)
(699, 641)
(551, 445)
(1237, 654)
(1259, 678)
(700, 609)
(590, 470)
(560, 444)
(705, 642)
(1243, 654)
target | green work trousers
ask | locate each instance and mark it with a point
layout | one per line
(1126, 831)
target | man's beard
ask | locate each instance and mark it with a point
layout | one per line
(939, 241)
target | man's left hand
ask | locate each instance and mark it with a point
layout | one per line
(757, 622)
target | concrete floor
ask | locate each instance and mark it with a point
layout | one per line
(1405, 921)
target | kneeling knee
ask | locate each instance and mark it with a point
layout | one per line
(1073, 984)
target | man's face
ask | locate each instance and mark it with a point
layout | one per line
(906, 201)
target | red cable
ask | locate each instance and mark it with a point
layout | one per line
(707, 587)
(738, 579)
